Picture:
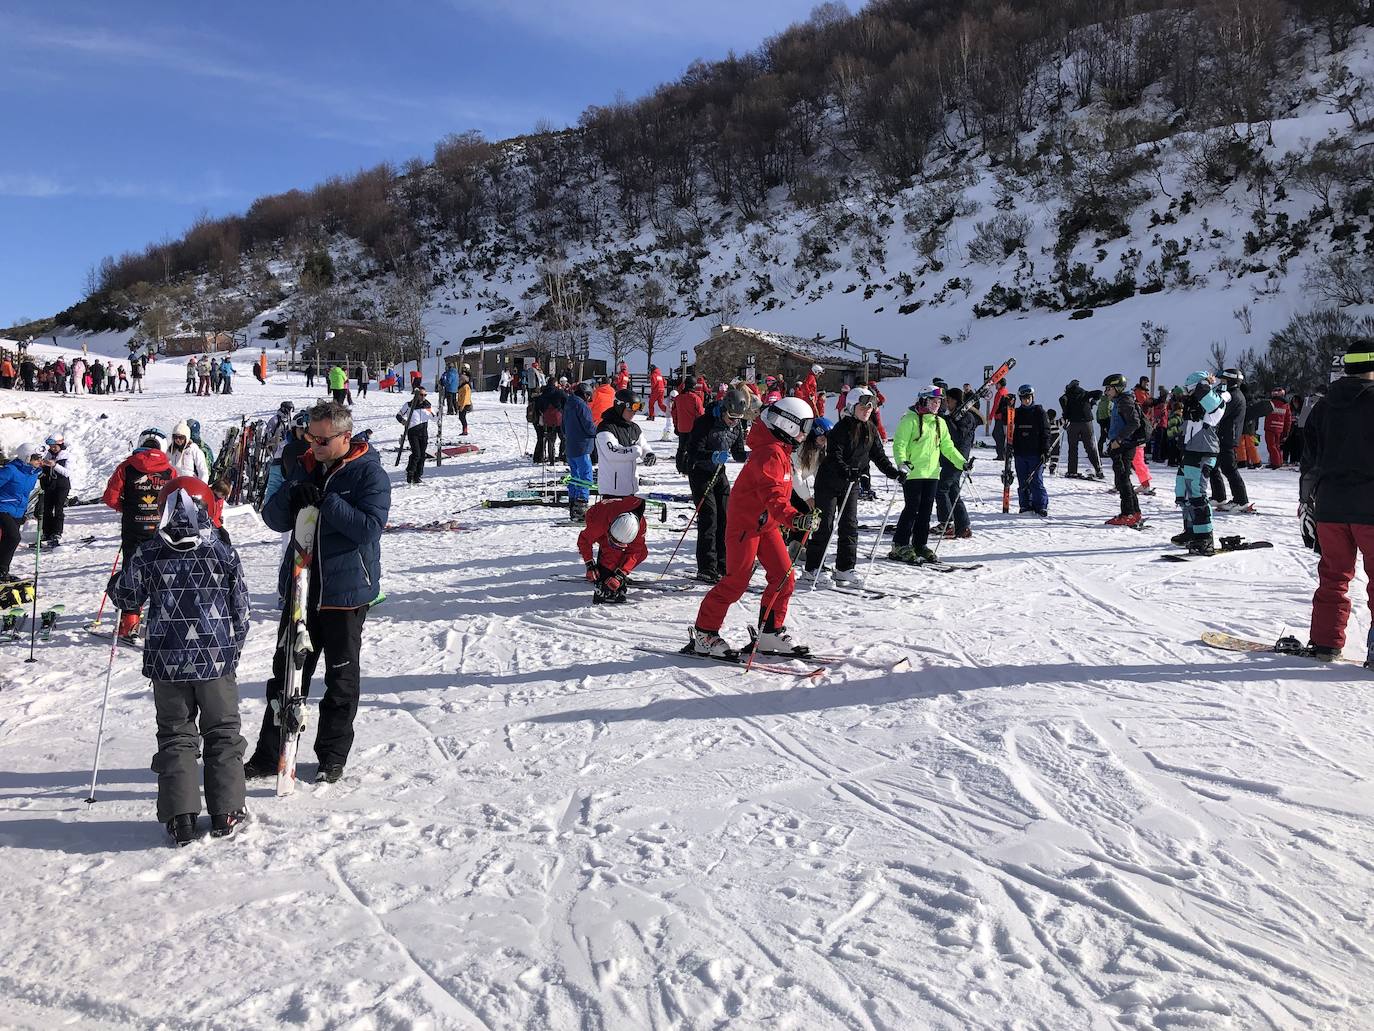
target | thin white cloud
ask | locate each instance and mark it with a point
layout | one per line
(29, 185)
(363, 116)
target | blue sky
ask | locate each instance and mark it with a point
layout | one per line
(122, 121)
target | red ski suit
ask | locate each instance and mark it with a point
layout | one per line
(622, 378)
(597, 535)
(760, 502)
(688, 407)
(658, 390)
(807, 391)
(1277, 425)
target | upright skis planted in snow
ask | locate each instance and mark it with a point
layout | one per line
(290, 707)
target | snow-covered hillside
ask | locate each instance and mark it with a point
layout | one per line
(1027, 797)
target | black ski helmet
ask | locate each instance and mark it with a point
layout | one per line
(627, 398)
(1116, 381)
(735, 404)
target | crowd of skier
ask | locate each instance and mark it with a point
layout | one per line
(801, 476)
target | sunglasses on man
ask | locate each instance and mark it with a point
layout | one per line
(322, 441)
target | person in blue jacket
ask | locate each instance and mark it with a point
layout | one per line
(18, 477)
(344, 478)
(579, 432)
(450, 382)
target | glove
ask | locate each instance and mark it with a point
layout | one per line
(651, 459)
(305, 493)
(806, 522)
(1307, 520)
(904, 468)
(968, 462)
(593, 573)
(720, 457)
(1044, 458)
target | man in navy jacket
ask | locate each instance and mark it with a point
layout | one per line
(344, 478)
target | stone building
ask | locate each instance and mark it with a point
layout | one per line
(725, 355)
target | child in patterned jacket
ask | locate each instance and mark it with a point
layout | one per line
(198, 615)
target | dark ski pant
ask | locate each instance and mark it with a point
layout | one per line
(1191, 487)
(713, 497)
(338, 633)
(417, 438)
(828, 505)
(913, 525)
(9, 541)
(55, 507)
(463, 418)
(1082, 433)
(1342, 545)
(450, 403)
(947, 499)
(214, 704)
(1225, 473)
(999, 439)
(1123, 462)
(1030, 483)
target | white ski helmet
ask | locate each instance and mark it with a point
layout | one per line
(816, 370)
(789, 418)
(859, 396)
(29, 449)
(624, 529)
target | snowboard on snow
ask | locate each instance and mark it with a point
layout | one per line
(1285, 646)
(1228, 545)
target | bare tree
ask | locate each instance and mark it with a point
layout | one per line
(653, 326)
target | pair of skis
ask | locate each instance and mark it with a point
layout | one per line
(289, 707)
(12, 622)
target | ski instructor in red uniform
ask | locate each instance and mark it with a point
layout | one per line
(759, 509)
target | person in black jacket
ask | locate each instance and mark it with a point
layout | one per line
(950, 511)
(1228, 435)
(1338, 468)
(1078, 407)
(548, 421)
(716, 437)
(1030, 447)
(851, 445)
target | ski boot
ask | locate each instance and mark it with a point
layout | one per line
(817, 578)
(182, 829)
(259, 768)
(776, 642)
(847, 578)
(128, 627)
(329, 773)
(1202, 545)
(577, 511)
(708, 576)
(925, 555)
(223, 825)
(1121, 520)
(902, 553)
(709, 643)
(1183, 539)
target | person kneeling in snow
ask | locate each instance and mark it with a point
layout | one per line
(192, 582)
(611, 545)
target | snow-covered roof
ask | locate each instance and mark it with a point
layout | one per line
(840, 349)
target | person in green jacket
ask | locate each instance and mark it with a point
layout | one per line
(921, 438)
(338, 384)
(1104, 421)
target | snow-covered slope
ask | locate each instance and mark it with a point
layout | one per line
(1065, 813)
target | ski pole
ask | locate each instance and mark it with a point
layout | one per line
(768, 612)
(104, 704)
(37, 553)
(873, 552)
(524, 449)
(705, 494)
(839, 514)
(106, 594)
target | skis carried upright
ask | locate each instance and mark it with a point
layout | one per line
(290, 707)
